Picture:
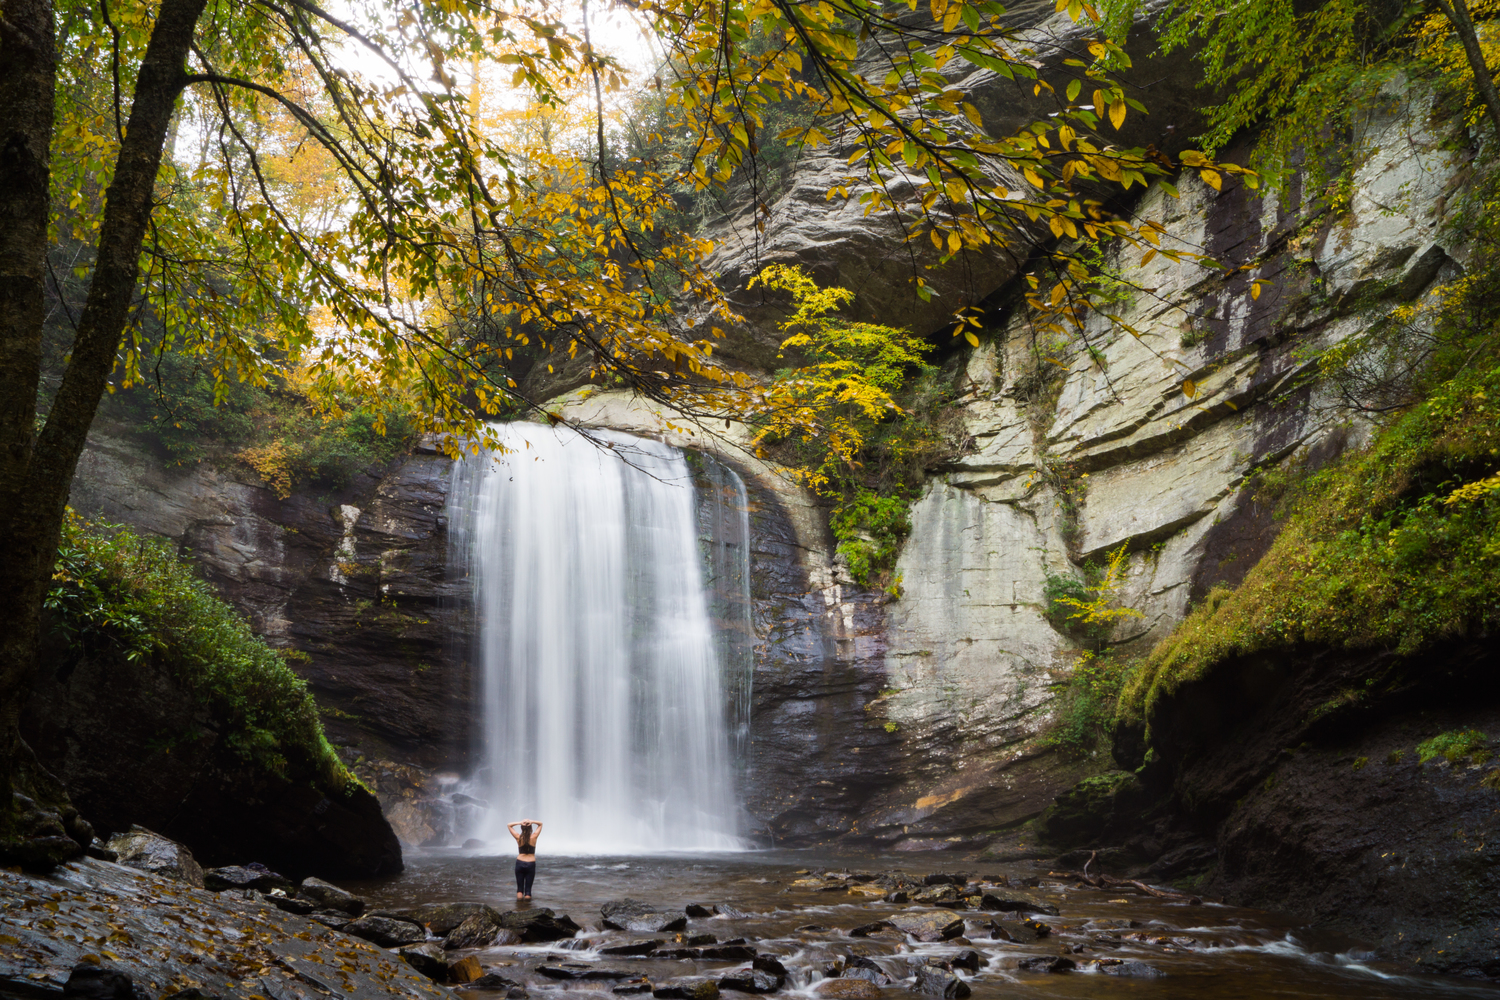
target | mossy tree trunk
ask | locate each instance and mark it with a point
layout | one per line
(36, 466)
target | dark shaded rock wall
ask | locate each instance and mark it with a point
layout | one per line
(354, 582)
(134, 748)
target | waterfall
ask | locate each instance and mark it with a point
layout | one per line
(605, 704)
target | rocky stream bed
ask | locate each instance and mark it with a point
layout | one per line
(683, 928)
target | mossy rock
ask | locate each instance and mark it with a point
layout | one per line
(1091, 808)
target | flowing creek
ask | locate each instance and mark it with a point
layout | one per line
(1173, 950)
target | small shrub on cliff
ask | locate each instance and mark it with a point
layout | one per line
(855, 420)
(1454, 746)
(1085, 708)
(115, 588)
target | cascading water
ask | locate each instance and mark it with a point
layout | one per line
(604, 700)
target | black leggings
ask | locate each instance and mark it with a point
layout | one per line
(525, 873)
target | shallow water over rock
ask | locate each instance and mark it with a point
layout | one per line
(822, 916)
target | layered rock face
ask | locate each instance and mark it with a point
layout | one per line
(355, 583)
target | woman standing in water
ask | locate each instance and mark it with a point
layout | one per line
(525, 854)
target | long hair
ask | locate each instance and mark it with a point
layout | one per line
(525, 832)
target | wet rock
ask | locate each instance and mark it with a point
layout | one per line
(291, 904)
(386, 931)
(141, 849)
(1018, 932)
(473, 843)
(865, 930)
(750, 981)
(330, 897)
(477, 931)
(713, 953)
(1118, 967)
(943, 878)
(697, 939)
(581, 971)
(700, 910)
(928, 926)
(848, 989)
(1015, 904)
(427, 958)
(465, 970)
(815, 928)
(640, 918)
(770, 964)
(897, 896)
(632, 988)
(337, 919)
(940, 895)
(1047, 963)
(98, 982)
(968, 960)
(642, 947)
(442, 918)
(495, 983)
(252, 876)
(539, 924)
(687, 988)
(937, 982)
(98, 849)
(192, 993)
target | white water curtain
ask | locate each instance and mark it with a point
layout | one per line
(604, 714)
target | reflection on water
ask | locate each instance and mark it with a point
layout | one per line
(1201, 951)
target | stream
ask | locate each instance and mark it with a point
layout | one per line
(1170, 949)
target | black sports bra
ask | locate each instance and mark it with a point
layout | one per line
(527, 848)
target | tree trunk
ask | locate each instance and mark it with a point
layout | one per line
(36, 470)
(1457, 13)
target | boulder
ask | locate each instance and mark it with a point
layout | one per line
(150, 852)
(581, 971)
(933, 981)
(865, 930)
(330, 897)
(928, 926)
(465, 970)
(386, 931)
(771, 964)
(337, 919)
(292, 904)
(629, 989)
(427, 958)
(251, 876)
(940, 895)
(1047, 963)
(98, 982)
(970, 961)
(687, 988)
(1018, 931)
(441, 918)
(946, 878)
(539, 924)
(1010, 903)
(750, 980)
(700, 910)
(477, 931)
(1122, 967)
(848, 989)
(640, 918)
(641, 947)
(713, 953)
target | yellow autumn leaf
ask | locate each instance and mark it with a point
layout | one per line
(1189, 388)
(1254, 290)
(969, 336)
(1117, 114)
(1212, 179)
(1031, 176)
(955, 243)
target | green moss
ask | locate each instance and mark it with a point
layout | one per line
(1454, 746)
(1085, 707)
(1372, 553)
(1360, 762)
(118, 590)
